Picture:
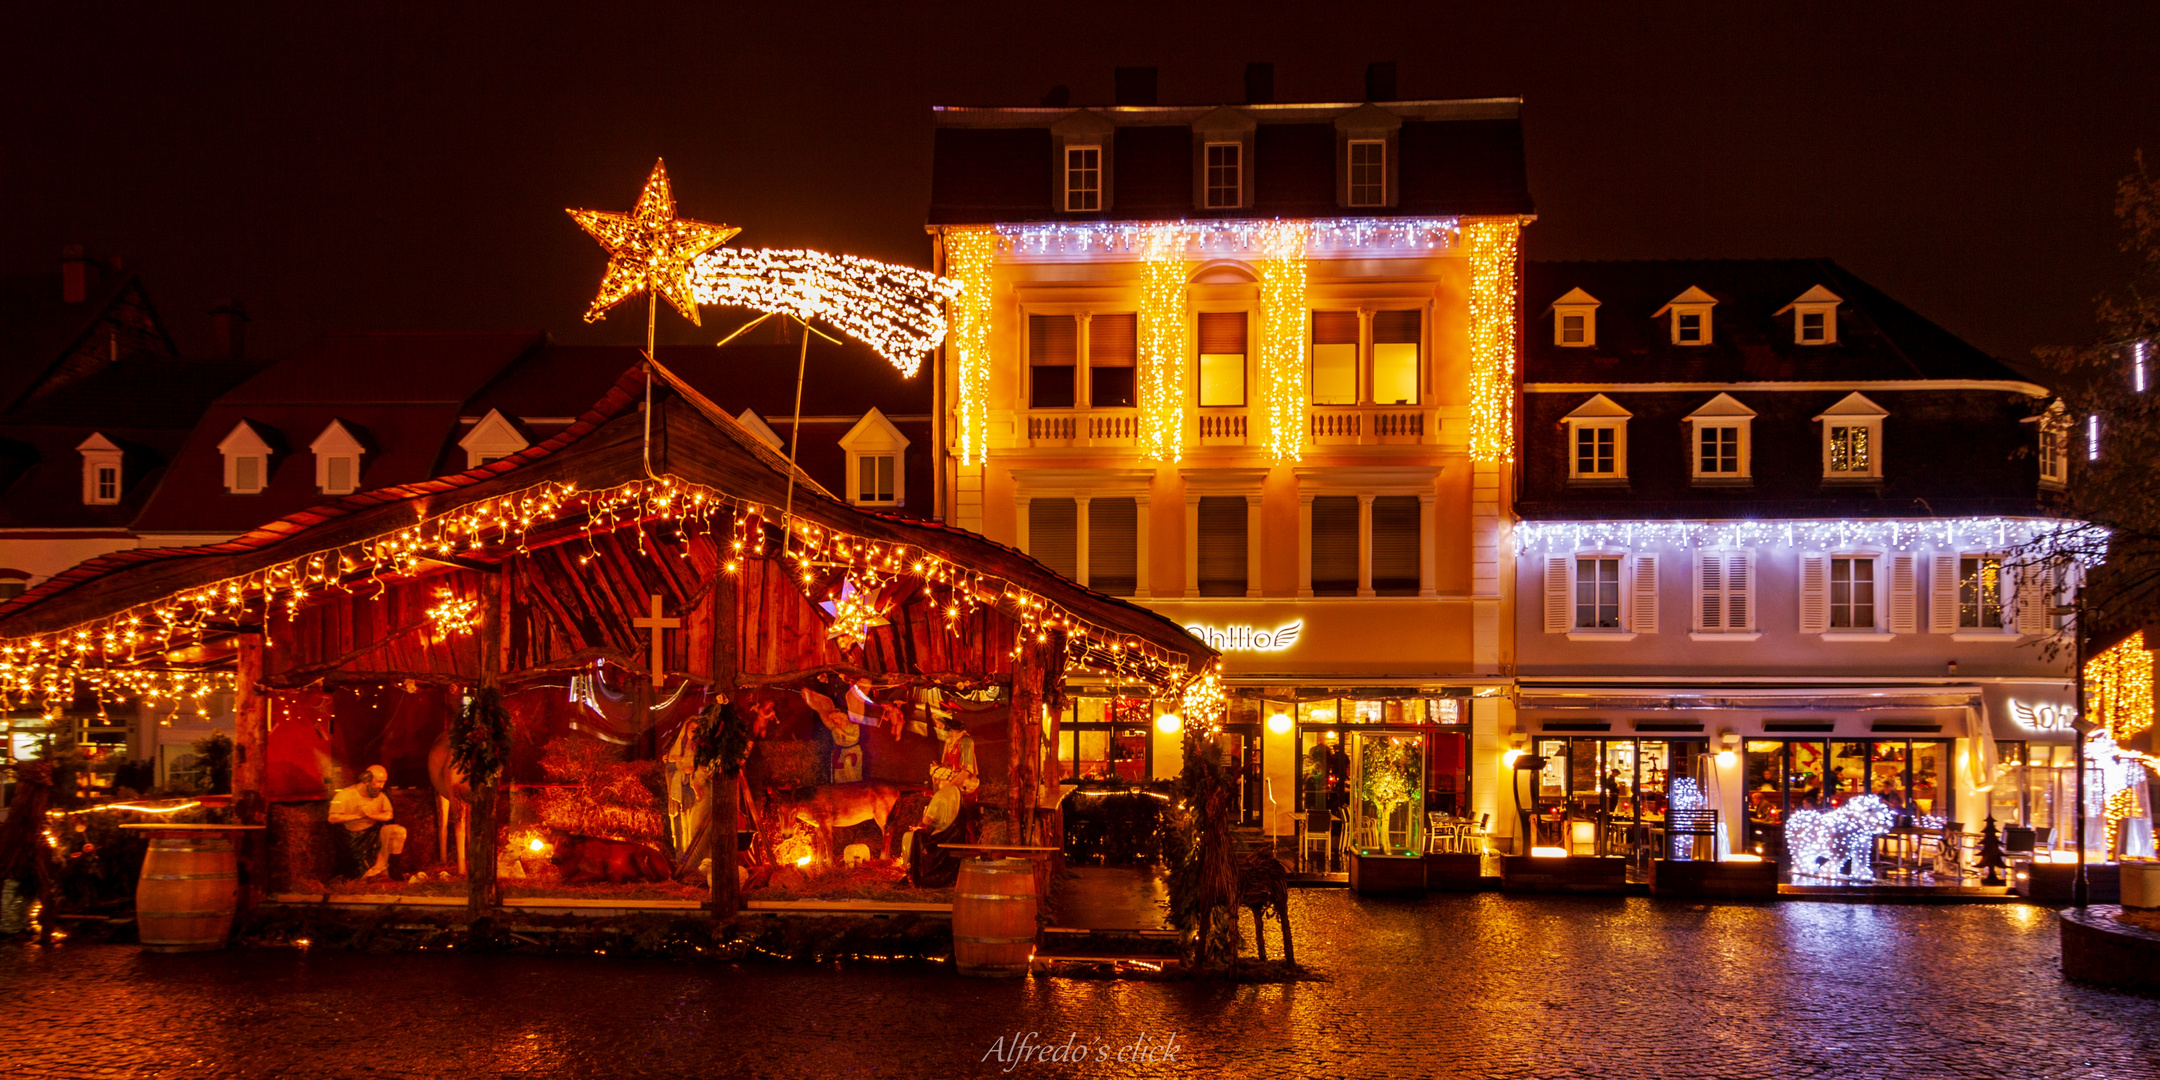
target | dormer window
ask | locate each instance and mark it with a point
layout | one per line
(876, 460)
(1852, 439)
(1723, 439)
(1690, 313)
(101, 460)
(1225, 175)
(1368, 172)
(1083, 179)
(337, 460)
(247, 459)
(1814, 316)
(2054, 449)
(492, 438)
(1575, 320)
(1597, 441)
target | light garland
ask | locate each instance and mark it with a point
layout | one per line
(1203, 703)
(2119, 688)
(1162, 346)
(896, 310)
(1495, 259)
(1997, 533)
(1282, 338)
(1826, 844)
(1362, 236)
(649, 248)
(2122, 803)
(453, 615)
(968, 257)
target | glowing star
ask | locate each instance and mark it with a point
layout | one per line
(650, 249)
(854, 614)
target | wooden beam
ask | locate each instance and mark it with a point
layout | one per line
(725, 621)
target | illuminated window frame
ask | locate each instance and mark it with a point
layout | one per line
(1367, 172)
(1224, 181)
(1083, 178)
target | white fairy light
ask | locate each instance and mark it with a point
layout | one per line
(1244, 235)
(1903, 535)
(898, 311)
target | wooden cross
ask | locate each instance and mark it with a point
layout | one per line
(659, 627)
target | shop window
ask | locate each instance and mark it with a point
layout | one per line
(1395, 356)
(1222, 358)
(1335, 545)
(1053, 350)
(1083, 179)
(1335, 358)
(1113, 350)
(1223, 548)
(1605, 796)
(1395, 538)
(1054, 534)
(1113, 541)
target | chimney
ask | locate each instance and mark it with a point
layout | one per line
(228, 329)
(74, 274)
(1136, 86)
(1058, 97)
(1260, 84)
(1380, 81)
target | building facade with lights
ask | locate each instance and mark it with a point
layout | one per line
(1768, 539)
(1252, 366)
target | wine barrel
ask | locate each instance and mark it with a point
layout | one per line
(185, 899)
(993, 918)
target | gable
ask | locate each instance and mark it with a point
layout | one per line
(1599, 407)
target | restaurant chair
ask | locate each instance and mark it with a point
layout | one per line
(1314, 834)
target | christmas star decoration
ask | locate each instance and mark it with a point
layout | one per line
(854, 613)
(650, 248)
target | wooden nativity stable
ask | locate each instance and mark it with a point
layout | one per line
(611, 586)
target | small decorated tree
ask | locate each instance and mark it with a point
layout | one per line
(1991, 853)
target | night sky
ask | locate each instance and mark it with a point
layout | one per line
(406, 168)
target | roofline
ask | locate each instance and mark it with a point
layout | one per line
(2008, 386)
(1491, 108)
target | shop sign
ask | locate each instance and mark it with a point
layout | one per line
(1241, 638)
(2043, 717)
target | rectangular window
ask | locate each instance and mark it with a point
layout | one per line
(1594, 451)
(1113, 350)
(1222, 545)
(1571, 330)
(1335, 545)
(1054, 534)
(1334, 358)
(1224, 175)
(1689, 328)
(1113, 545)
(1395, 357)
(874, 478)
(247, 474)
(337, 475)
(1053, 349)
(1597, 592)
(1720, 448)
(1980, 593)
(1083, 178)
(108, 483)
(1368, 172)
(1852, 594)
(1849, 449)
(1395, 539)
(1222, 358)
(2054, 452)
(1812, 326)
(1723, 588)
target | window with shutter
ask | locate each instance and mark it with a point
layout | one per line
(1053, 534)
(1597, 592)
(1335, 545)
(1395, 356)
(1739, 591)
(1980, 592)
(1222, 545)
(2033, 599)
(1710, 591)
(1395, 545)
(1334, 358)
(1559, 605)
(1053, 349)
(1852, 594)
(1644, 618)
(1943, 594)
(1113, 349)
(1113, 545)
(1724, 591)
(1904, 595)
(1222, 358)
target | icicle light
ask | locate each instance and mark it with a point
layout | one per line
(1495, 247)
(968, 255)
(1283, 337)
(896, 310)
(1163, 337)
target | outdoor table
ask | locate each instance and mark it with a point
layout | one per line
(190, 885)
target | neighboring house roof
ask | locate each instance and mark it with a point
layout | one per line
(47, 342)
(1877, 337)
(1453, 158)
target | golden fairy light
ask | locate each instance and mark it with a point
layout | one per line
(1163, 337)
(968, 256)
(2119, 688)
(1203, 703)
(1282, 337)
(650, 249)
(1495, 254)
(453, 615)
(896, 310)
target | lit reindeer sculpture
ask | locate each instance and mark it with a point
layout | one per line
(1840, 843)
(451, 794)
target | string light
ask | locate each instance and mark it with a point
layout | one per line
(1359, 236)
(1282, 337)
(2119, 688)
(1162, 345)
(453, 615)
(896, 310)
(1906, 535)
(1494, 261)
(1203, 703)
(649, 248)
(968, 257)
(1826, 844)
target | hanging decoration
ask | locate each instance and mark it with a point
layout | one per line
(1233, 237)
(1283, 338)
(854, 613)
(650, 249)
(453, 615)
(968, 256)
(1203, 703)
(1495, 261)
(480, 737)
(896, 310)
(2119, 688)
(1903, 535)
(1163, 340)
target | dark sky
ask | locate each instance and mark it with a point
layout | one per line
(405, 167)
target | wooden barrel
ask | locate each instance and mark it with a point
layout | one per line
(185, 900)
(993, 918)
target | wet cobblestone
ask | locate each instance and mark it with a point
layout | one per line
(1471, 986)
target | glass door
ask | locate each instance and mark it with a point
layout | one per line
(1387, 792)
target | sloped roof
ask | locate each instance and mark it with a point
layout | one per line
(38, 329)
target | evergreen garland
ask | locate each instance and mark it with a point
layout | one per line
(480, 738)
(723, 736)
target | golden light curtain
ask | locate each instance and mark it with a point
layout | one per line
(1282, 338)
(1495, 255)
(2119, 688)
(1162, 344)
(968, 255)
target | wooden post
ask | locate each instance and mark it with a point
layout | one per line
(726, 621)
(251, 766)
(1023, 735)
(483, 888)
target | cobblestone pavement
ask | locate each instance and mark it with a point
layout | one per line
(1469, 986)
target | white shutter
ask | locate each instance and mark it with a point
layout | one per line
(1645, 598)
(1943, 595)
(1558, 608)
(2032, 599)
(1904, 596)
(1814, 594)
(1710, 590)
(1740, 590)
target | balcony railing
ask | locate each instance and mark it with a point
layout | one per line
(1082, 427)
(1222, 427)
(1372, 425)
(1327, 425)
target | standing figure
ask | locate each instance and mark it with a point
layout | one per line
(957, 781)
(370, 837)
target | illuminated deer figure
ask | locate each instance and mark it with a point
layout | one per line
(451, 794)
(1839, 843)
